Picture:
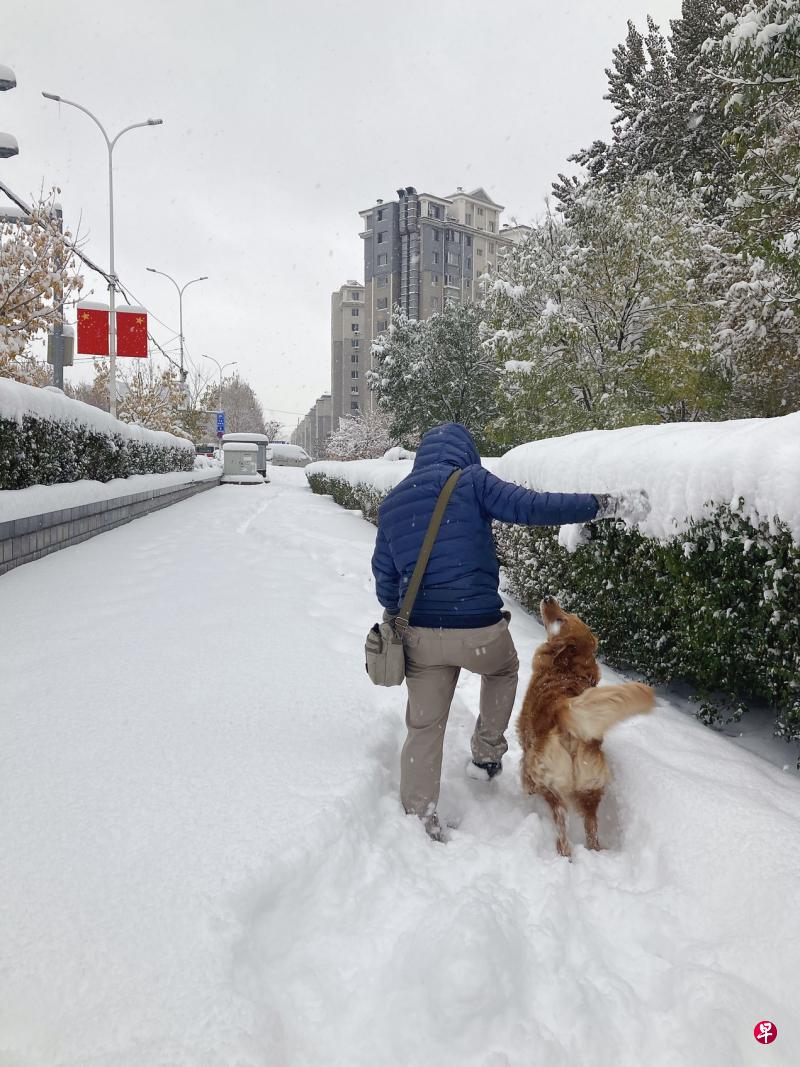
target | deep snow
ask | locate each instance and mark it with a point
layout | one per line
(687, 469)
(203, 861)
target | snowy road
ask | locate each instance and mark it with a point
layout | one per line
(203, 862)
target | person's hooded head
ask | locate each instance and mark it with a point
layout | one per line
(451, 444)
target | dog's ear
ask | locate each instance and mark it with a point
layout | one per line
(563, 648)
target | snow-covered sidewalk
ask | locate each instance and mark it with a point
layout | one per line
(203, 862)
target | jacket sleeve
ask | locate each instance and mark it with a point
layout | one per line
(387, 577)
(512, 503)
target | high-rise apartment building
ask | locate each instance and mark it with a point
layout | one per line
(314, 430)
(423, 252)
(349, 350)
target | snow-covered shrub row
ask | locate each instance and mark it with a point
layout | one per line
(716, 605)
(46, 438)
(707, 590)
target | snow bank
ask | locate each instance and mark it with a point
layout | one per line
(686, 468)
(41, 499)
(379, 474)
(18, 400)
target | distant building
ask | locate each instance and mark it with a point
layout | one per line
(349, 350)
(314, 430)
(424, 252)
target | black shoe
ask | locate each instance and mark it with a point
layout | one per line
(482, 772)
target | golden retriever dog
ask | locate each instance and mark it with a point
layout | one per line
(564, 718)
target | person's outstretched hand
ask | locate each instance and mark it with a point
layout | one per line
(632, 507)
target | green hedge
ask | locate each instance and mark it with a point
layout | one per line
(362, 497)
(717, 606)
(45, 451)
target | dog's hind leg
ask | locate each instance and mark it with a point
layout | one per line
(560, 818)
(587, 805)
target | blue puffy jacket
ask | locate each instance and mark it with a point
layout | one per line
(460, 585)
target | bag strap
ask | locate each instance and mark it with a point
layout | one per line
(401, 622)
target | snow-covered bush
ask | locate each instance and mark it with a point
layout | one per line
(46, 438)
(366, 435)
(706, 590)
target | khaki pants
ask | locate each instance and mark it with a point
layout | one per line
(434, 659)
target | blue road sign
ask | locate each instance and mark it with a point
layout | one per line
(220, 422)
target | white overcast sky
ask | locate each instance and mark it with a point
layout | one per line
(281, 121)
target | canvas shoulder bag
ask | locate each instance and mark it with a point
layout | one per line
(386, 662)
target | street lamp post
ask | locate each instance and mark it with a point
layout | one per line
(221, 369)
(203, 278)
(112, 277)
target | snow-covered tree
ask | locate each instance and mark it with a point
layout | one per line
(669, 112)
(366, 435)
(37, 274)
(243, 410)
(604, 319)
(759, 63)
(152, 397)
(435, 370)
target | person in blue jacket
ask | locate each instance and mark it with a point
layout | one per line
(457, 620)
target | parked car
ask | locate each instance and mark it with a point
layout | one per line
(280, 455)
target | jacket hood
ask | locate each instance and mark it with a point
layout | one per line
(451, 444)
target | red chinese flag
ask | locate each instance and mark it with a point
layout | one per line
(132, 332)
(93, 329)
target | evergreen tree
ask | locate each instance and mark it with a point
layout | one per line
(433, 371)
(670, 115)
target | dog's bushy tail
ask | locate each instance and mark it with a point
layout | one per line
(596, 710)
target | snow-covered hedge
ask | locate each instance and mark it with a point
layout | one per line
(45, 438)
(706, 590)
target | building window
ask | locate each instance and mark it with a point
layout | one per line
(354, 374)
(469, 263)
(453, 258)
(383, 281)
(468, 220)
(434, 303)
(354, 357)
(355, 390)
(355, 344)
(434, 211)
(383, 259)
(468, 241)
(382, 236)
(380, 214)
(478, 250)
(480, 212)
(354, 328)
(354, 312)
(437, 235)
(354, 405)
(381, 325)
(491, 227)
(436, 257)
(355, 296)
(491, 247)
(434, 279)
(383, 303)
(451, 279)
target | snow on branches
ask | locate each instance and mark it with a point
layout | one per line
(37, 274)
(435, 370)
(366, 435)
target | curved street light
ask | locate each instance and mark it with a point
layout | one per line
(180, 288)
(112, 277)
